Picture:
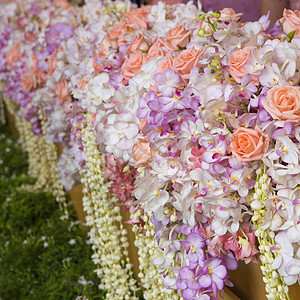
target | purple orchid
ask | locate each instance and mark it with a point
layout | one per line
(151, 109)
(34, 9)
(194, 244)
(169, 103)
(214, 275)
(187, 282)
(54, 35)
(144, 110)
(214, 152)
(168, 82)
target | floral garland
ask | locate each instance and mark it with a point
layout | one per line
(2, 110)
(32, 144)
(56, 187)
(187, 106)
(42, 158)
(107, 234)
(275, 285)
(150, 279)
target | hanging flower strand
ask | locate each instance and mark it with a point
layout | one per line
(56, 186)
(150, 279)
(275, 287)
(107, 235)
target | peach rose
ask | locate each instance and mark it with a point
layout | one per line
(120, 30)
(203, 26)
(132, 65)
(137, 16)
(237, 61)
(166, 63)
(82, 83)
(13, 54)
(22, 22)
(34, 63)
(142, 153)
(186, 60)
(52, 62)
(67, 105)
(156, 50)
(290, 21)
(63, 4)
(283, 103)
(178, 37)
(138, 44)
(142, 124)
(229, 15)
(97, 67)
(249, 144)
(41, 76)
(28, 81)
(116, 31)
(107, 43)
(30, 37)
(62, 91)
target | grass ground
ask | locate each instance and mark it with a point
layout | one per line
(41, 256)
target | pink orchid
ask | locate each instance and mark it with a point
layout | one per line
(242, 244)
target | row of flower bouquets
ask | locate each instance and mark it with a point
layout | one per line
(189, 120)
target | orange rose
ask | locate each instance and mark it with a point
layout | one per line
(290, 21)
(237, 61)
(28, 81)
(229, 15)
(186, 60)
(13, 54)
(249, 144)
(166, 63)
(178, 37)
(138, 44)
(142, 153)
(62, 91)
(283, 103)
(132, 65)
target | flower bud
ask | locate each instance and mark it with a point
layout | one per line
(256, 205)
(202, 17)
(201, 32)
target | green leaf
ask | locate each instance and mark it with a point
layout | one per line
(290, 36)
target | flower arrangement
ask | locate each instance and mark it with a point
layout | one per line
(194, 122)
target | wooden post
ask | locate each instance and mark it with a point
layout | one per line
(132, 250)
(76, 196)
(248, 283)
(11, 123)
